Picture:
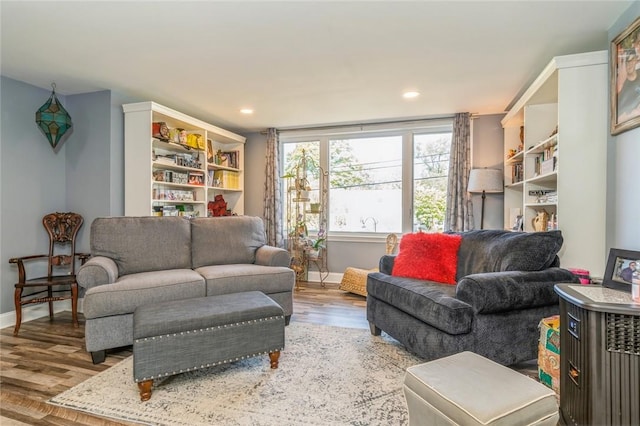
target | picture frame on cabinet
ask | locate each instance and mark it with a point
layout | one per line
(625, 79)
(623, 269)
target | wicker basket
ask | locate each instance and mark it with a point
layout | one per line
(354, 280)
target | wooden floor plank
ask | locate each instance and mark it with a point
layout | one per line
(48, 357)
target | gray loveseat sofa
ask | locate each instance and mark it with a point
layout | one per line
(504, 288)
(145, 260)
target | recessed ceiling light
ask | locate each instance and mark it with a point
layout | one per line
(409, 95)
(246, 111)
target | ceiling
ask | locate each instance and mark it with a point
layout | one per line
(299, 64)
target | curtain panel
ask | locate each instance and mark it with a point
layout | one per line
(459, 210)
(272, 197)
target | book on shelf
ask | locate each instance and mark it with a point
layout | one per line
(232, 159)
(226, 179)
(517, 173)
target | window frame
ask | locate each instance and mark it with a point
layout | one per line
(407, 130)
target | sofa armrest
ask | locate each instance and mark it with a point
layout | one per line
(386, 263)
(272, 256)
(97, 271)
(511, 290)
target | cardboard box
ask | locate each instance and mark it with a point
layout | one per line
(549, 352)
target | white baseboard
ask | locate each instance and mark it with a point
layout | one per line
(29, 313)
(332, 278)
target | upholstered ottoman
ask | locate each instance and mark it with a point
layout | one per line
(468, 389)
(183, 335)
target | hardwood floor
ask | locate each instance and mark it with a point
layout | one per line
(46, 358)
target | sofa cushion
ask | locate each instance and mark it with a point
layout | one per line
(142, 244)
(225, 240)
(225, 279)
(428, 256)
(496, 250)
(131, 291)
(432, 303)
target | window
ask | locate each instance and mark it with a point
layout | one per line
(373, 186)
(365, 184)
(430, 171)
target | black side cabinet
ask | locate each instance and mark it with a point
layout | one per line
(599, 356)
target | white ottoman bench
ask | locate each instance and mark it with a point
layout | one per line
(468, 389)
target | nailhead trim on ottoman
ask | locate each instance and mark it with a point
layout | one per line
(184, 335)
(468, 389)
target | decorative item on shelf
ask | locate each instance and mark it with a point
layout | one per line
(218, 158)
(174, 135)
(314, 207)
(196, 178)
(53, 119)
(210, 154)
(217, 207)
(182, 136)
(195, 141)
(552, 224)
(518, 224)
(539, 223)
(232, 159)
(188, 160)
(160, 130)
(169, 211)
(485, 180)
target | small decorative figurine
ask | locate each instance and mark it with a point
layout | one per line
(539, 222)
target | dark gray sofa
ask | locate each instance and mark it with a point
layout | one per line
(147, 260)
(504, 288)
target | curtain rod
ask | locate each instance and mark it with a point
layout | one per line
(361, 125)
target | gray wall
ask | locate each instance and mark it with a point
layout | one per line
(32, 180)
(487, 152)
(623, 173)
(84, 174)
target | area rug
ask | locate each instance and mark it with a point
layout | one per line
(326, 376)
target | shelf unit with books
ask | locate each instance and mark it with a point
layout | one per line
(557, 132)
(170, 163)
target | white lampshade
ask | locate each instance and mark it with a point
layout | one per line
(487, 180)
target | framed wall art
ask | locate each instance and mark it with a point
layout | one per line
(625, 79)
(623, 269)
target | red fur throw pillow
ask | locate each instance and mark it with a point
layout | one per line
(431, 257)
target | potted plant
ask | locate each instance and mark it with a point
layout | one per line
(314, 246)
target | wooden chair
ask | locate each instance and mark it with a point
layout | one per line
(62, 229)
